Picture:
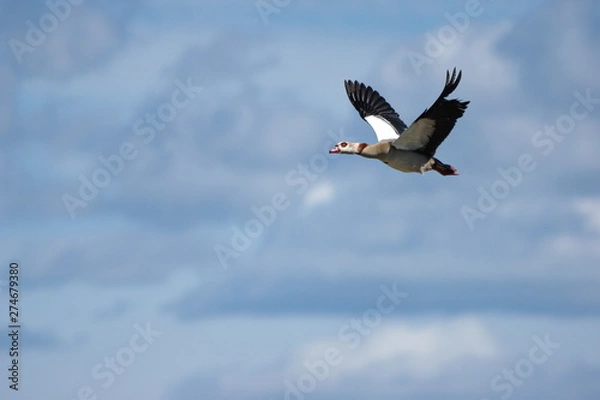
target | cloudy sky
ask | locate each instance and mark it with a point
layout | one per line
(181, 231)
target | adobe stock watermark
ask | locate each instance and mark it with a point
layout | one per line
(267, 7)
(105, 372)
(38, 31)
(504, 384)
(146, 128)
(299, 179)
(349, 338)
(446, 35)
(543, 140)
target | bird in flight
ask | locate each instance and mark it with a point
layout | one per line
(409, 149)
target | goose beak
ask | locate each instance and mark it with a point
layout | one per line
(334, 150)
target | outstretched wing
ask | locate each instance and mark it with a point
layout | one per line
(430, 129)
(374, 109)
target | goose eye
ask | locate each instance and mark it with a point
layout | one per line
(343, 144)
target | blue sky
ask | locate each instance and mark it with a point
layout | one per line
(182, 231)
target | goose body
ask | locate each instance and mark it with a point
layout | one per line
(407, 149)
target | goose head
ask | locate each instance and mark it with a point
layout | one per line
(348, 148)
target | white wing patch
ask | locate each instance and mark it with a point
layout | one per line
(383, 129)
(416, 136)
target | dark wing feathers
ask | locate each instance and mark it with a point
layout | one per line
(428, 131)
(369, 102)
(444, 112)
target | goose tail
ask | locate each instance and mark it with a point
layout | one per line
(444, 169)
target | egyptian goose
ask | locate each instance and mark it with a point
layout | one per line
(409, 149)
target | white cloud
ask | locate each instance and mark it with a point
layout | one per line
(321, 193)
(578, 245)
(589, 208)
(422, 351)
(475, 52)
